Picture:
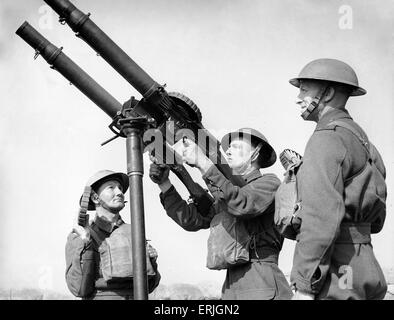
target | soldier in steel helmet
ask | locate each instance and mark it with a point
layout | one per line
(90, 273)
(342, 192)
(239, 216)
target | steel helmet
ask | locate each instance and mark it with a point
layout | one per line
(330, 70)
(267, 155)
(102, 176)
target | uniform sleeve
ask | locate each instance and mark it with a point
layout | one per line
(154, 281)
(381, 191)
(320, 187)
(185, 215)
(75, 251)
(248, 201)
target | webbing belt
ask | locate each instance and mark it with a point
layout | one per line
(354, 233)
(264, 254)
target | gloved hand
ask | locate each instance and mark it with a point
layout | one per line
(159, 173)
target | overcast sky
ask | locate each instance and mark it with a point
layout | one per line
(232, 58)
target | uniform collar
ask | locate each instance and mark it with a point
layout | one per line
(106, 225)
(332, 115)
(252, 176)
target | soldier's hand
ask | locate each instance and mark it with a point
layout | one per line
(152, 253)
(82, 232)
(194, 156)
(302, 296)
(159, 173)
(81, 223)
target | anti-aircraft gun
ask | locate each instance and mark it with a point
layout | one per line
(157, 110)
(156, 102)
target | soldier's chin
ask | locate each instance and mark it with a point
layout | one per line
(118, 206)
(234, 169)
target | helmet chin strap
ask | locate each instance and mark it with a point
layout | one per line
(255, 152)
(312, 105)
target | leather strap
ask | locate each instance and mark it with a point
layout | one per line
(364, 141)
(355, 233)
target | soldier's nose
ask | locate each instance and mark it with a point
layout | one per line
(298, 100)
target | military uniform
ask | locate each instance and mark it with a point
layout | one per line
(84, 276)
(333, 257)
(254, 203)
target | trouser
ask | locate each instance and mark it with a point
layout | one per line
(354, 272)
(256, 280)
(120, 290)
(112, 295)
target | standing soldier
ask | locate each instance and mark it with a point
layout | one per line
(99, 256)
(242, 238)
(341, 189)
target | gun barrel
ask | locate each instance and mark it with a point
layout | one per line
(159, 103)
(87, 85)
(69, 69)
(87, 30)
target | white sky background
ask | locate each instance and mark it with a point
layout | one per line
(232, 58)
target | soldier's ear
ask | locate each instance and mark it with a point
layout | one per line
(95, 198)
(329, 94)
(256, 152)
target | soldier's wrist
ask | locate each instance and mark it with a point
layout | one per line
(165, 185)
(204, 165)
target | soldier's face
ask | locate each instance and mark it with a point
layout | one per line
(239, 152)
(308, 91)
(111, 195)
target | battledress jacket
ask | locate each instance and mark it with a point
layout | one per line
(80, 255)
(331, 259)
(260, 278)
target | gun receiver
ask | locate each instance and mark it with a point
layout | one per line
(201, 198)
(60, 62)
(156, 102)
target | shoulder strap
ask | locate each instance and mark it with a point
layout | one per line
(258, 177)
(95, 236)
(364, 141)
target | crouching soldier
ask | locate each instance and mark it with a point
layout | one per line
(99, 256)
(242, 238)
